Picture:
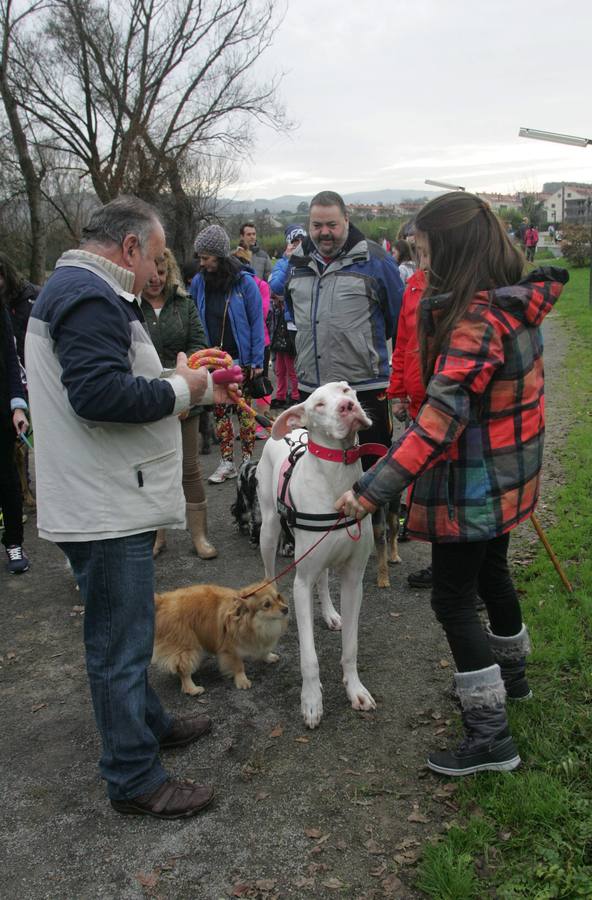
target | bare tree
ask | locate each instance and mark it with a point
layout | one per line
(32, 170)
(137, 91)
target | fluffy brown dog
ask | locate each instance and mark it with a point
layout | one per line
(206, 618)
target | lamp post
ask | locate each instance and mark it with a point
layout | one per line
(445, 185)
(574, 141)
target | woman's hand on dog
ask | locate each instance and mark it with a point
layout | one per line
(350, 506)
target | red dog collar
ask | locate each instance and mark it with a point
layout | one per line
(349, 456)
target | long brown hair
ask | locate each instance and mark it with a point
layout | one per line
(469, 252)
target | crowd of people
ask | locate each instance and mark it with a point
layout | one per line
(440, 331)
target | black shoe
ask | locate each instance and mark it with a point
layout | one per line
(18, 561)
(499, 755)
(421, 579)
(276, 403)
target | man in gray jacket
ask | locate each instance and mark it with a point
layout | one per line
(260, 260)
(344, 296)
(108, 468)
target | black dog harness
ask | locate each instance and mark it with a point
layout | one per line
(285, 504)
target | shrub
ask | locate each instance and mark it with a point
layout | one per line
(575, 245)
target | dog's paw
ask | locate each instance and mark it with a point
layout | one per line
(359, 697)
(242, 682)
(312, 708)
(394, 559)
(193, 690)
(271, 658)
(382, 581)
(333, 619)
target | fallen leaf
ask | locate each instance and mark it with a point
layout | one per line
(78, 609)
(304, 883)
(437, 715)
(444, 664)
(313, 832)
(395, 615)
(240, 889)
(504, 835)
(262, 795)
(302, 740)
(441, 730)
(351, 772)
(408, 858)
(340, 844)
(148, 881)
(265, 884)
(416, 816)
(323, 839)
(378, 873)
(11, 655)
(391, 884)
(277, 731)
(373, 847)
(317, 849)
(333, 884)
(406, 843)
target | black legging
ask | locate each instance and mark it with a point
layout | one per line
(10, 489)
(460, 571)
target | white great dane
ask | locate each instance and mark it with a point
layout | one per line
(331, 417)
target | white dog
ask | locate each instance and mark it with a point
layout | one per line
(332, 417)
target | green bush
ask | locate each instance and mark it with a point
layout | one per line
(575, 245)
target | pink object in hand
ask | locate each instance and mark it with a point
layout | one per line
(228, 376)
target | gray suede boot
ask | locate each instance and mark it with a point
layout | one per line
(488, 744)
(511, 652)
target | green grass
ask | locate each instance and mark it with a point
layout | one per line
(532, 834)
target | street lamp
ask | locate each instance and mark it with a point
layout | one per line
(445, 184)
(554, 138)
(574, 141)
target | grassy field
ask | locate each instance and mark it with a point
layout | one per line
(529, 834)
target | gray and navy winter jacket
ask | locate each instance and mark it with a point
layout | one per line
(107, 438)
(345, 312)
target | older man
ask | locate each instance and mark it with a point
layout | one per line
(344, 296)
(108, 460)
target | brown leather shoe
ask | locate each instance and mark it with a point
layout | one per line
(174, 799)
(185, 731)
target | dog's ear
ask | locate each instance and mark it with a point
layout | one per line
(241, 608)
(294, 417)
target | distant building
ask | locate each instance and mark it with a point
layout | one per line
(569, 204)
(501, 203)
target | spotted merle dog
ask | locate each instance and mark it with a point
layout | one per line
(247, 512)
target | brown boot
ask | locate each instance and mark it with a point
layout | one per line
(159, 543)
(197, 524)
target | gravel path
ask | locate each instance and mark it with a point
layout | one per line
(341, 811)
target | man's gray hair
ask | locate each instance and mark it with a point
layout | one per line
(110, 224)
(329, 198)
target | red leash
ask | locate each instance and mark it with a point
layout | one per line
(310, 549)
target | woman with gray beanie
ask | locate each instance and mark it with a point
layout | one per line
(229, 305)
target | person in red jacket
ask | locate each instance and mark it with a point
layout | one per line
(406, 389)
(474, 453)
(531, 239)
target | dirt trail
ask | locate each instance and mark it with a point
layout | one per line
(340, 811)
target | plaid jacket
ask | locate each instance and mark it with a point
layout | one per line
(475, 449)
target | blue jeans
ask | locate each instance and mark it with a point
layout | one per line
(116, 580)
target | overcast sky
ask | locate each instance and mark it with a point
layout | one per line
(387, 93)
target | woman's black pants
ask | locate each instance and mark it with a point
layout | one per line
(460, 573)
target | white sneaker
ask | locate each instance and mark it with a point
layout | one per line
(224, 471)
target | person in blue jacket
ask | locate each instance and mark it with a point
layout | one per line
(229, 305)
(294, 234)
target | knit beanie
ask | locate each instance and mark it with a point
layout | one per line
(294, 231)
(212, 241)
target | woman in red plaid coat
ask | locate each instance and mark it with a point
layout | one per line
(474, 452)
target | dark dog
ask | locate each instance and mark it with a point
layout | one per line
(247, 512)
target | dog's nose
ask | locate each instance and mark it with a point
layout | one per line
(346, 406)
